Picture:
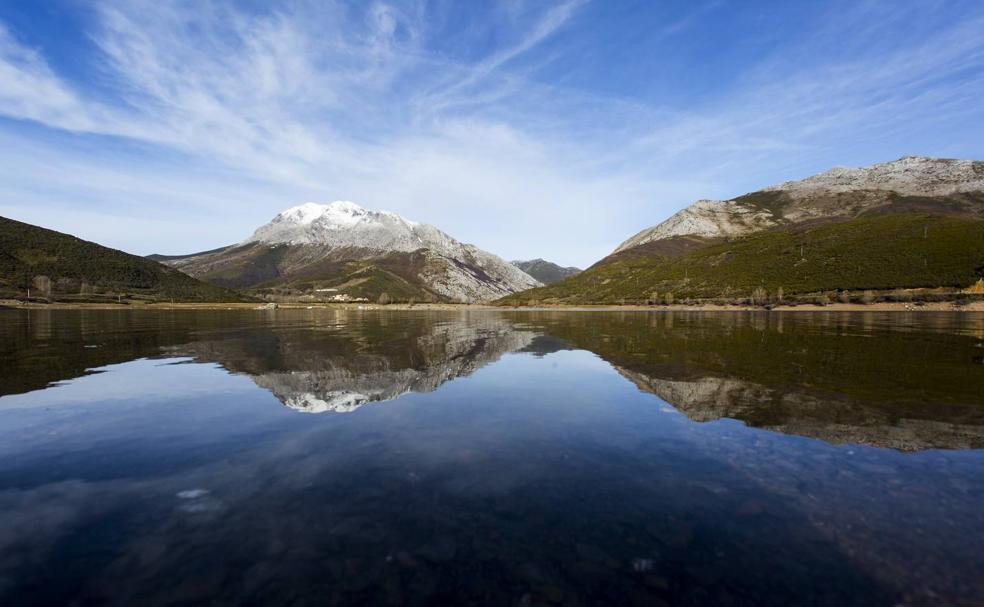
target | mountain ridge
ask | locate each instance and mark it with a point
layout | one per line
(351, 253)
(915, 222)
(795, 201)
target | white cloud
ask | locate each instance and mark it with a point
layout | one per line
(253, 112)
(30, 90)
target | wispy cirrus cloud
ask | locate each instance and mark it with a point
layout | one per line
(30, 90)
(229, 115)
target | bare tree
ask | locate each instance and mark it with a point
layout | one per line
(384, 299)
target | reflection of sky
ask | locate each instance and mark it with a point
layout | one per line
(139, 380)
(191, 462)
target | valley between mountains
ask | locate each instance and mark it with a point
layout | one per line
(908, 229)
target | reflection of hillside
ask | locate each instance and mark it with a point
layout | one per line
(40, 347)
(341, 367)
(831, 419)
(883, 380)
(838, 378)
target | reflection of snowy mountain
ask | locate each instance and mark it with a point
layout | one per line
(709, 368)
(345, 387)
(341, 370)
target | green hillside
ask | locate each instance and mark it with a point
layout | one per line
(296, 271)
(57, 266)
(869, 252)
(357, 279)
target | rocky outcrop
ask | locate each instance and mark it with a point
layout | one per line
(841, 192)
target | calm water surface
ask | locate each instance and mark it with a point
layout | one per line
(490, 458)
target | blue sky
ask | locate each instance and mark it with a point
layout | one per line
(532, 129)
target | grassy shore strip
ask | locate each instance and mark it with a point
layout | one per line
(977, 306)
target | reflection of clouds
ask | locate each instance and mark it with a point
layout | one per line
(34, 519)
(432, 483)
(532, 442)
(139, 379)
(197, 501)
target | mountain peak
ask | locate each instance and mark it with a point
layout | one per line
(310, 212)
(345, 223)
(337, 213)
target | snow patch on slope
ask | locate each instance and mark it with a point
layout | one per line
(346, 224)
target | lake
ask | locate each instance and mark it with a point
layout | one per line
(312, 457)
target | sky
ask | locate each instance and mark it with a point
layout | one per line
(531, 129)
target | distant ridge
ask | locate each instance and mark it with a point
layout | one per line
(545, 271)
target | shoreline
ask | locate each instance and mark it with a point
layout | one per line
(977, 306)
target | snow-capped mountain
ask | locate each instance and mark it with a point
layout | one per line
(346, 224)
(343, 248)
(837, 193)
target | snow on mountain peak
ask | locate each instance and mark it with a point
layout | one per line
(345, 224)
(340, 213)
(305, 213)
